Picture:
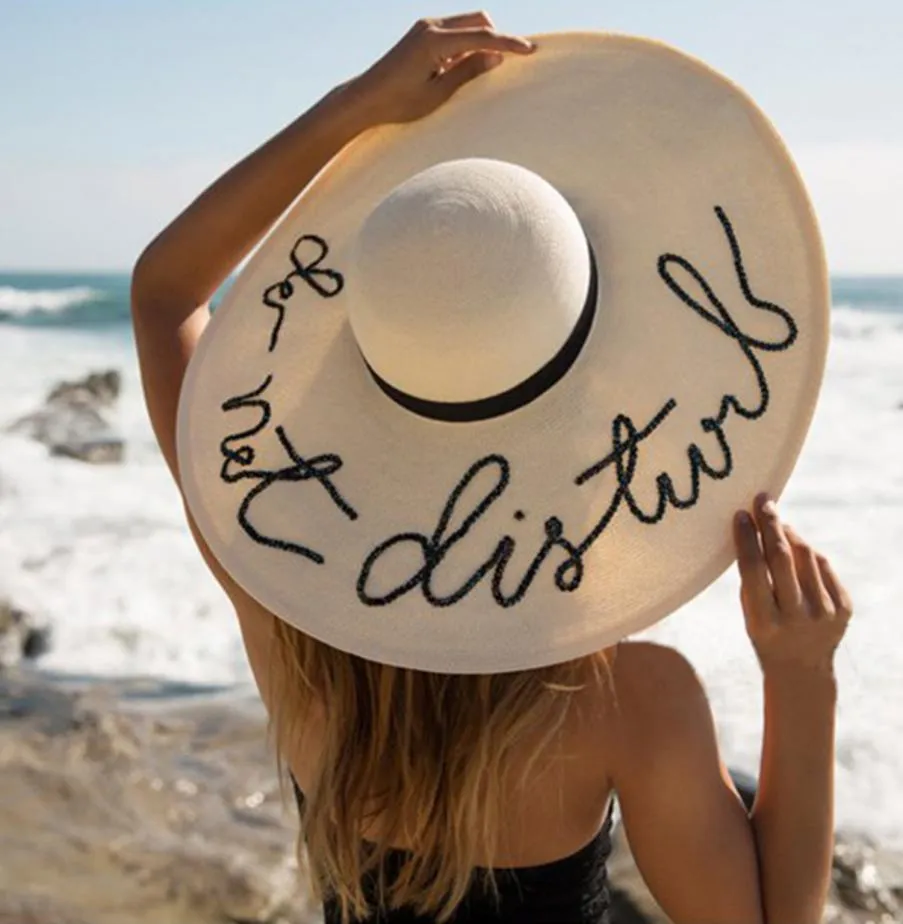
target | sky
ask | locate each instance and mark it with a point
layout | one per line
(114, 114)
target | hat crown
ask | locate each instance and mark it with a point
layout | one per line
(472, 266)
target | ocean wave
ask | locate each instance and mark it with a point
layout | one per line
(19, 303)
(857, 322)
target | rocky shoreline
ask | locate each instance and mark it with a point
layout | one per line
(73, 421)
(138, 802)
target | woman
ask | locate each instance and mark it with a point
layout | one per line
(418, 783)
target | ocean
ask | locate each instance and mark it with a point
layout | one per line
(102, 552)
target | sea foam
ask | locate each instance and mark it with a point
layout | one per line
(19, 303)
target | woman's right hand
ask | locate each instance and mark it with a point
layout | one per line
(433, 60)
(795, 607)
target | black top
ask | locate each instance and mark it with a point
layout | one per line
(572, 890)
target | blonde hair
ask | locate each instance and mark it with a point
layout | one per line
(427, 754)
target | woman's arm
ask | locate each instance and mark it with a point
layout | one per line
(793, 816)
(796, 613)
(185, 264)
(688, 829)
(703, 858)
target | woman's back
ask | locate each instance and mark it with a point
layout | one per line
(570, 890)
(637, 723)
(554, 815)
(558, 793)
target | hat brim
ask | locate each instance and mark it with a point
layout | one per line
(478, 547)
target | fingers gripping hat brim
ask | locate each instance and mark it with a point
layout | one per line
(592, 511)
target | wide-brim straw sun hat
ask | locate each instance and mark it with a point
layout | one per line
(489, 394)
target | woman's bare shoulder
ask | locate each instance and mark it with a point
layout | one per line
(656, 694)
(641, 668)
(628, 695)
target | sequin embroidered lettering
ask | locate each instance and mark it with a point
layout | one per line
(237, 462)
(325, 282)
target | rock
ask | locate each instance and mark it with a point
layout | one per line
(623, 910)
(125, 805)
(18, 910)
(98, 451)
(21, 636)
(72, 423)
(96, 389)
(54, 424)
(221, 882)
(868, 879)
(36, 642)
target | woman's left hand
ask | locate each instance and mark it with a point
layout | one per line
(433, 60)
